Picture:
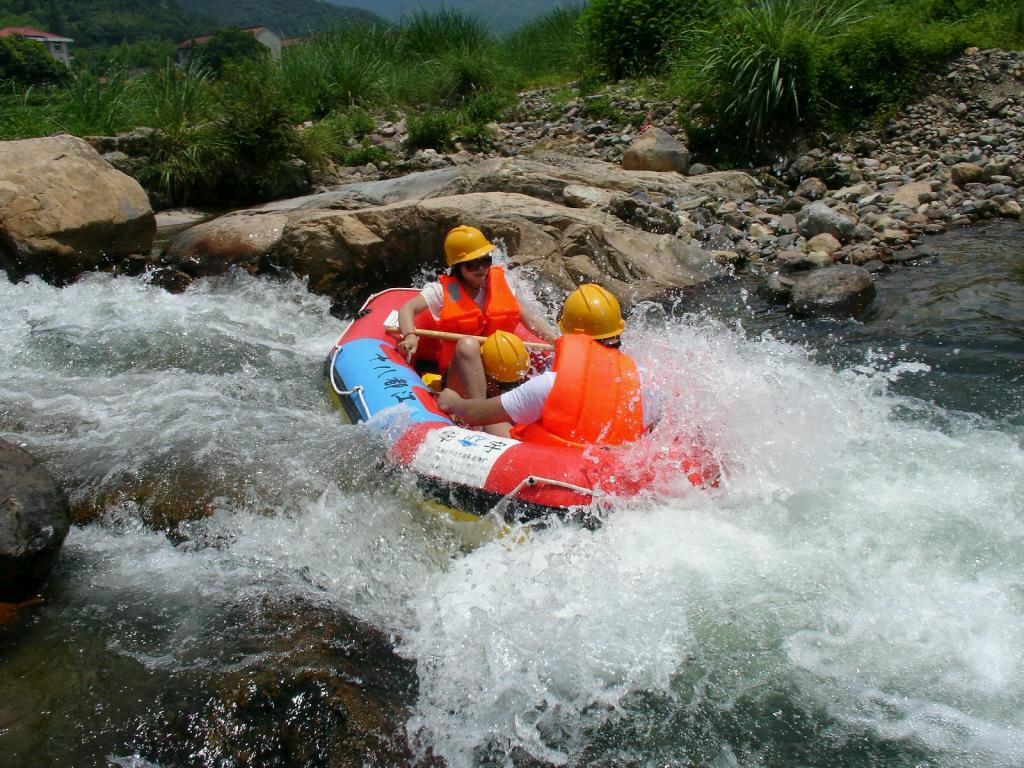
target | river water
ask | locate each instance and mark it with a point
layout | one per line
(852, 595)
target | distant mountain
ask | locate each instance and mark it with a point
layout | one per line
(499, 15)
(287, 17)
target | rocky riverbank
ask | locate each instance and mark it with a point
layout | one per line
(951, 159)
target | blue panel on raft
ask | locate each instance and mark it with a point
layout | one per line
(385, 383)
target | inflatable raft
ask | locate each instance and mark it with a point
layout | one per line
(471, 471)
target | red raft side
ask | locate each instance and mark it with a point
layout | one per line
(550, 476)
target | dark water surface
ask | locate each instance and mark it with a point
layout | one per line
(853, 595)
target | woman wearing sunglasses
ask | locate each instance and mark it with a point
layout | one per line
(474, 299)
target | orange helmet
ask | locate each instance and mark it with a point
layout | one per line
(592, 310)
(505, 357)
(465, 244)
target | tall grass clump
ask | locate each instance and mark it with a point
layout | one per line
(446, 59)
(27, 112)
(626, 38)
(430, 34)
(188, 146)
(340, 68)
(94, 105)
(549, 49)
(757, 70)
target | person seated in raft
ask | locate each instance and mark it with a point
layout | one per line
(473, 298)
(506, 363)
(593, 394)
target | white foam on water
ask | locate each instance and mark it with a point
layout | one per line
(870, 565)
(862, 558)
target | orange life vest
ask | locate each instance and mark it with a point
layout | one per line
(595, 399)
(461, 314)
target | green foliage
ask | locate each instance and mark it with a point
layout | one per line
(601, 108)
(286, 17)
(26, 62)
(26, 113)
(257, 124)
(125, 57)
(339, 137)
(629, 37)
(364, 153)
(430, 34)
(339, 68)
(188, 147)
(879, 65)
(228, 46)
(432, 129)
(108, 22)
(548, 48)
(94, 106)
(756, 71)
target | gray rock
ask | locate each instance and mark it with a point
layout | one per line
(966, 173)
(812, 188)
(818, 217)
(843, 290)
(34, 519)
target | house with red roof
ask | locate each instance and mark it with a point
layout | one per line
(55, 45)
(267, 38)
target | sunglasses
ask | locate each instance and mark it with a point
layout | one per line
(483, 261)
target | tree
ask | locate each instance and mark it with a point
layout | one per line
(26, 62)
(227, 46)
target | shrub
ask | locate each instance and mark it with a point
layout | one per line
(188, 149)
(630, 37)
(227, 47)
(26, 62)
(878, 66)
(257, 125)
(430, 130)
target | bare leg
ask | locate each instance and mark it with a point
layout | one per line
(466, 373)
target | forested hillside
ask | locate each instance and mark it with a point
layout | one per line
(499, 15)
(105, 22)
(109, 22)
(288, 17)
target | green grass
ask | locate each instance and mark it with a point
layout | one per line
(763, 71)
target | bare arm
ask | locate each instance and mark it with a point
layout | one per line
(406, 324)
(477, 411)
(537, 324)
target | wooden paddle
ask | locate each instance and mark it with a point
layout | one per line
(449, 336)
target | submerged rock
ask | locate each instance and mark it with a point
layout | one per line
(34, 520)
(842, 290)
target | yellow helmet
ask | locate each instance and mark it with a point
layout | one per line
(465, 244)
(505, 357)
(592, 310)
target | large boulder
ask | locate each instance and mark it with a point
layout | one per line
(65, 211)
(656, 150)
(34, 519)
(347, 253)
(546, 175)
